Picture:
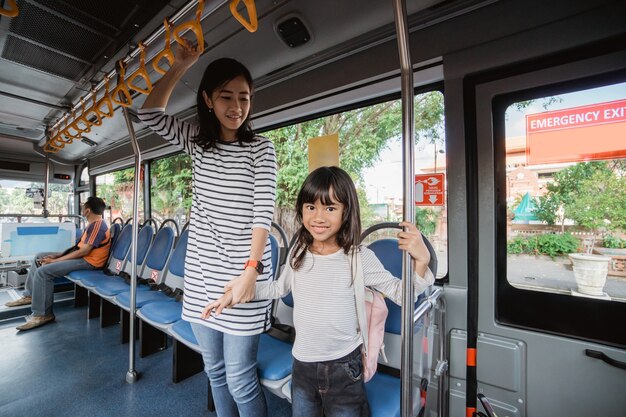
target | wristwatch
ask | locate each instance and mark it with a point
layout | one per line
(255, 264)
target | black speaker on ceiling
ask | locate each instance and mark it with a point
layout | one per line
(292, 30)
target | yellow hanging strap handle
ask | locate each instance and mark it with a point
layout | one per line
(92, 112)
(253, 24)
(121, 87)
(194, 26)
(167, 50)
(81, 122)
(141, 72)
(12, 10)
(105, 101)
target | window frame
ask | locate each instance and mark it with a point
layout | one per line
(558, 314)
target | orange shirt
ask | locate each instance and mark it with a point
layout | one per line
(98, 236)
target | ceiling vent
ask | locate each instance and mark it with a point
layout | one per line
(292, 31)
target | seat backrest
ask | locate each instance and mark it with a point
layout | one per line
(116, 228)
(144, 239)
(275, 255)
(176, 266)
(390, 256)
(158, 255)
(120, 249)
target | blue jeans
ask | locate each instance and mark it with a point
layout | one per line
(331, 389)
(230, 363)
(40, 281)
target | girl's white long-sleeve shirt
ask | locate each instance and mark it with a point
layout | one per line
(324, 312)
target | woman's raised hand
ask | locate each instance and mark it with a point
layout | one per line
(185, 55)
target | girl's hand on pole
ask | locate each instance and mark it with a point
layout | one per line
(218, 305)
(185, 55)
(410, 240)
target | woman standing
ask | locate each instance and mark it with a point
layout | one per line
(234, 187)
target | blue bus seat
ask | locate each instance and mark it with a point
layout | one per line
(153, 269)
(110, 286)
(274, 359)
(157, 316)
(116, 261)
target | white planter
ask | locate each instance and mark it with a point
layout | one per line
(590, 272)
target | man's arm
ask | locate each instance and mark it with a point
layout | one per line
(77, 254)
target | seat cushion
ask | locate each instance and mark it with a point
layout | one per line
(142, 298)
(274, 358)
(164, 312)
(182, 330)
(383, 393)
(83, 273)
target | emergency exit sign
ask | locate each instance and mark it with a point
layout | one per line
(429, 189)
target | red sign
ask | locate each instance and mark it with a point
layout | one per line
(576, 134)
(154, 275)
(429, 189)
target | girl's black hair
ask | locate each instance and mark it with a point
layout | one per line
(219, 73)
(322, 184)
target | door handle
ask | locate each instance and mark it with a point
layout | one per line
(607, 359)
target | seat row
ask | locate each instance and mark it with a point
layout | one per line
(160, 270)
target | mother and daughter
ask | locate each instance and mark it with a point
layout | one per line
(227, 265)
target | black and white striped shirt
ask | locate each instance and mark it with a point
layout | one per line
(234, 188)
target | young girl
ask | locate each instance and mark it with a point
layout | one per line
(327, 370)
(234, 185)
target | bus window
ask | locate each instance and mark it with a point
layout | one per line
(369, 143)
(116, 189)
(26, 197)
(565, 182)
(170, 191)
(84, 177)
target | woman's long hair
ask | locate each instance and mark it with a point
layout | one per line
(219, 73)
(322, 184)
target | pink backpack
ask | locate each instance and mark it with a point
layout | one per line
(372, 314)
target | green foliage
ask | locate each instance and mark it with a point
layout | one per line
(363, 134)
(545, 244)
(553, 245)
(171, 186)
(590, 193)
(613, 242)
(426, 220)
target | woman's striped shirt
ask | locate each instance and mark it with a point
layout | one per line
(234, 187)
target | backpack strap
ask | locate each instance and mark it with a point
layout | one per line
(359, 294)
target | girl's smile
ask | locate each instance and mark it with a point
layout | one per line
(323, 222)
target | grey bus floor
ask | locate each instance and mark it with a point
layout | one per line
(72, 367)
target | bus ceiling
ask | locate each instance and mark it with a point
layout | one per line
(54, 56)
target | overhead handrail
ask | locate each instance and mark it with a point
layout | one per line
(193, 26)
(166, 53)
(252, 24)
(141, 72)
(12, 10)
(75, 127)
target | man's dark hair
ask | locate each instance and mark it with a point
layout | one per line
(96, 205)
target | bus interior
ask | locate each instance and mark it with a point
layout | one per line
(480, 111)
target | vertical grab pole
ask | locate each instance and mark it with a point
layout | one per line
(45, 211)
(131, 374)
(408, 147)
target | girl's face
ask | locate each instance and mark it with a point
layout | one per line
(323, 223)
(231, 105)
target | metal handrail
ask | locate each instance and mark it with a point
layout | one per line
(437, 301)
(60, 216)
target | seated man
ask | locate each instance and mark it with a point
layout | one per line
(91, 252)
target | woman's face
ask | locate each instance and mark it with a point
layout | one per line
(231, 105)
